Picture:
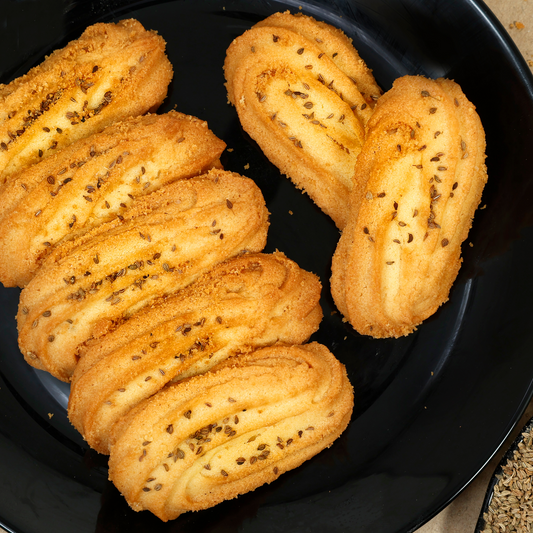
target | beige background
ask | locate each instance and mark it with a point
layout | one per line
(462, 514)
(517, 17)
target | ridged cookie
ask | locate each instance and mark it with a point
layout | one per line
(111, 72)
(92, 181)
(424, 168)
(226, 432)
(335, 44)
(245, 303)
(161, 244)
(294, 100)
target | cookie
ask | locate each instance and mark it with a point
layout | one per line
(231, 430)
(424, 168)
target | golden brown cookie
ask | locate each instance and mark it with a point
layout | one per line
(161, 244)
(111, 72)
(208, 439)
(92, 181)
(424, 168)
(245, 303)
(335, 44)
(293, 99)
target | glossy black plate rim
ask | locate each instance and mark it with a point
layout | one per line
(394, 482)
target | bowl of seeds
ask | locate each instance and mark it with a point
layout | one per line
(508, 504)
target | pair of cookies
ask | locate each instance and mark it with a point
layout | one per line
(161, 244)
(96, 180)
(401, 179)
(245, 303)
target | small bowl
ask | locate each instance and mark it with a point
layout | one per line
(481, 526)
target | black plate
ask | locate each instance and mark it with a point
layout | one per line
(432, 408)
